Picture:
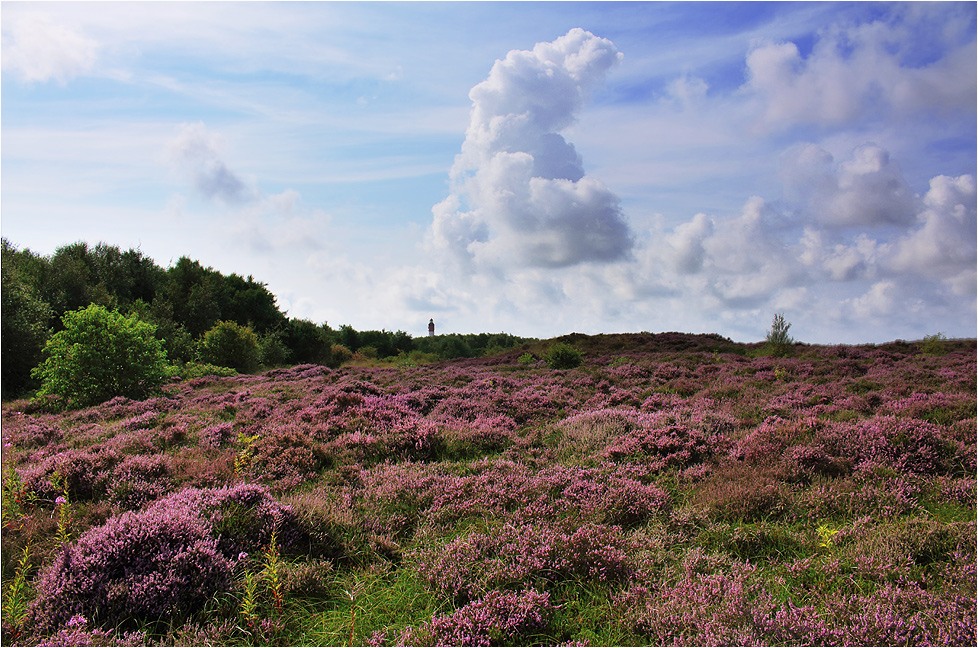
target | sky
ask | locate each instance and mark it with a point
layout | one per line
(530, 168)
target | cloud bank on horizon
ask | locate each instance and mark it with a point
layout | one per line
(635, 172)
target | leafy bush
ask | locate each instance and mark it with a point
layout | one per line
(934, 344)
(340, 354)
(273, 350)
(563, 356)
(228, 344)
(101, 354)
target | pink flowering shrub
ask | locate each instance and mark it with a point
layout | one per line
(139, 479)
(85, 473)
(160, 563)
(511, 557)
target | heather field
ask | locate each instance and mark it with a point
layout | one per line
(671, 490)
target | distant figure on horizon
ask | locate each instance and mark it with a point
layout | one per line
(431, 327)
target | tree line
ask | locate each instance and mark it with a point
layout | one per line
(194, 309)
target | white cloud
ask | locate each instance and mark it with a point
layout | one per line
(944, 246)
(37, 49)
(519, 193)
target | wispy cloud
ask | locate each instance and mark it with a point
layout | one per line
(38, 49)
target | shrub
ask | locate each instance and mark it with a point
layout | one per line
(199, 370)
(340, 354)
(162, 563)
(228, 344)
(101, 354)
(778, 340)
(934, 344)
(273, 350)
(137, 566)
(563, 356)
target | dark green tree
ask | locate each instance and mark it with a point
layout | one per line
(308, 343)
(24, 322)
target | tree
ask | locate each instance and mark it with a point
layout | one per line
(101, 354)
(778, 339)
(24, 322)
(228, 344)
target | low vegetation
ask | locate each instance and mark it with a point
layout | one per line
(641, 489)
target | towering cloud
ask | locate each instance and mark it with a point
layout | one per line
(519, 193)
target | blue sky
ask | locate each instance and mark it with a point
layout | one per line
(534, 168)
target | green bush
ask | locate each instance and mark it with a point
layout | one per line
(563, 356)
(339, 354)
(228, 344)
(273, 350)
(101, 354)
(934, 344)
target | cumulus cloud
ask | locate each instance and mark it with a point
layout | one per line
(519, 193)
(38, 49)
(944, 245)
(196, 152)
(856, 71)
(868, 190)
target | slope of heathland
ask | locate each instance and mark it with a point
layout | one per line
(672, 489)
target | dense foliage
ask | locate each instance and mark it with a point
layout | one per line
(101, 354)
(184, 302)
(228, 344)
(670, 490)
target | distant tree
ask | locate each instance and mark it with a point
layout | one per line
(24, 322)
(348, 337)
(101, 354)
(778, 340)
(228, 344)
(307, 342)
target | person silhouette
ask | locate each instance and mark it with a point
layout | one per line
(431, 327)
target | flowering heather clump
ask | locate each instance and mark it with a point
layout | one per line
(165, 561)
(513, 556)
(497, 618)
(139, 479)
(286, 456)
(84, 473)
(664, 443)
(216, 436)
(140, 566)
(75, 633)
